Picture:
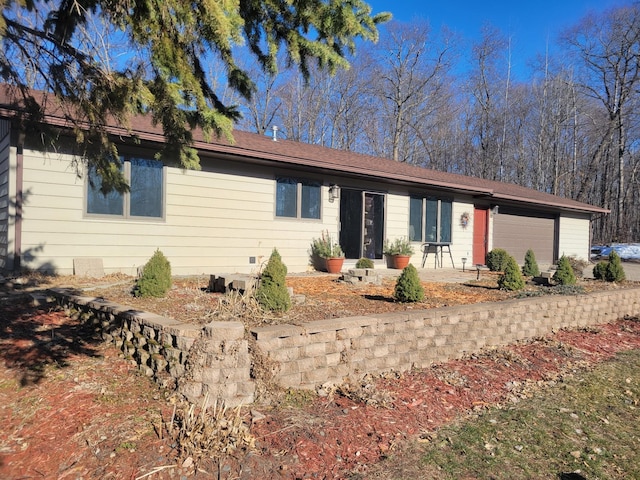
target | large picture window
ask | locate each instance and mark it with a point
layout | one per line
(430, 219)
(297, 198)
(145, 198)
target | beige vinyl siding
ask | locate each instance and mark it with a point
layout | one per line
(6, 260)
(574, 236)
(461, 237)
(397, 216)
(232, 218)
(215, 220)
(50, 208)
(397, 223)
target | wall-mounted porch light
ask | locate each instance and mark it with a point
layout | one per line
(334, 192)
(495, 209)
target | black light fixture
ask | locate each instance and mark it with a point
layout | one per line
(334, 192)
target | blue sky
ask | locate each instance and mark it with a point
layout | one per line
(529, 23)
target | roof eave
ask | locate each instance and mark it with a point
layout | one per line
(252, 155)
(559, 205)
(339, 169)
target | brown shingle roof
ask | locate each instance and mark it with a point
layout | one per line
(254, 147)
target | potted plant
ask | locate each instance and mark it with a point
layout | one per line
(326, 254)
(398, 252)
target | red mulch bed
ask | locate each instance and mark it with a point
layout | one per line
(343, 436)
(71, 407)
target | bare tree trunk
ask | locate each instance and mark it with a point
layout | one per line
(505, 111)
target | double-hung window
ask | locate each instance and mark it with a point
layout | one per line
(145, 198)
(296, 198)
(430, 219)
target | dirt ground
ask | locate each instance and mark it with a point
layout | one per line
(71, 407)
(321, 296)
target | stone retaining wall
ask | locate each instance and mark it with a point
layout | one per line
(214, 359)
(193, 359)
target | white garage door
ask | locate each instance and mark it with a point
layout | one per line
(517, 232)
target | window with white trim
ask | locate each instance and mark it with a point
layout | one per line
(430, 219)
(296, 198)
(145, 198)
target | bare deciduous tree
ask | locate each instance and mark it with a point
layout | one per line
(413, 69)
(608, 47)
(573, 129)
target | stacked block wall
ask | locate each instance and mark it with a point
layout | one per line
(331, 350)
(214, 359)
(199, 361)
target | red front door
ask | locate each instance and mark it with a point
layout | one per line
(480, 231)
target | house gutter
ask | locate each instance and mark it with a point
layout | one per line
(17, 252)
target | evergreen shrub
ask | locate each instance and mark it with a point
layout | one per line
(600, 270)
(364, 263)
(530, 267)
(408, 287)
(564, 273)
(511, 279)
(272, 292)
(155, 280)
(615, 272)
(497, 259)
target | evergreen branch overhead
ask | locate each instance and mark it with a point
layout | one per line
(48, 45)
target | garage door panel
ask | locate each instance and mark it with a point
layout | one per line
(516, 233)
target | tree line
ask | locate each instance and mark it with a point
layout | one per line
(571, 129)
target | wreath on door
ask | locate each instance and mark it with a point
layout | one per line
(464, 219)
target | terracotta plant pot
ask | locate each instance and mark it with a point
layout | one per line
(400, 261)
(334, 265)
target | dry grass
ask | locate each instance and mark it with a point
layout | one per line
(209, 432)
(365, 390)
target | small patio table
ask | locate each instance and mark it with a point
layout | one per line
(438, 249)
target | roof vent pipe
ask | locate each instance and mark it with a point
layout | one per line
(275, 133)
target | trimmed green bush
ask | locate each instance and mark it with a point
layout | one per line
(364, 263)
(615, 272)
(530, 267)
(272, 292)
(600, 270)
(155, 280)
(497, 259)
(408, 287)
(564, 273)
(511, 279)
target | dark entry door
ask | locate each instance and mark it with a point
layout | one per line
(361, 223)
